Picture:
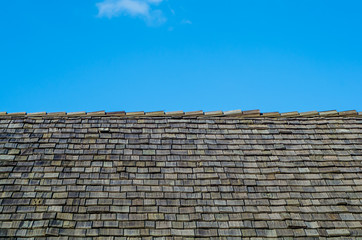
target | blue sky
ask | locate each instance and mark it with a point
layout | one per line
(132, 55)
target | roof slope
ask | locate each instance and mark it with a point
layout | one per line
(103, 176)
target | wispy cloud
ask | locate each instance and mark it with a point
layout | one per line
(186, 21)
(145, 9)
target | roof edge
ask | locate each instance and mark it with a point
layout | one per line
(199, 114)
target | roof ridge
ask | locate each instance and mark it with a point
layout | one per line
(201, 114)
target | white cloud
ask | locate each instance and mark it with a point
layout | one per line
(136, 8)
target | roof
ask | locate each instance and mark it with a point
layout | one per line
(171, 177)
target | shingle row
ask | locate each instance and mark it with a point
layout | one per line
(233, 113)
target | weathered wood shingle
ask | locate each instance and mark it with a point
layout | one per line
(162, 177)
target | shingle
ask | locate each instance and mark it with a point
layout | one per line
(229, 232)
(183, 232)
(206, 232)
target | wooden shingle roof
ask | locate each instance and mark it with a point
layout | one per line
(218, 175)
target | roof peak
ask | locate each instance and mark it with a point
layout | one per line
(233, 113)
